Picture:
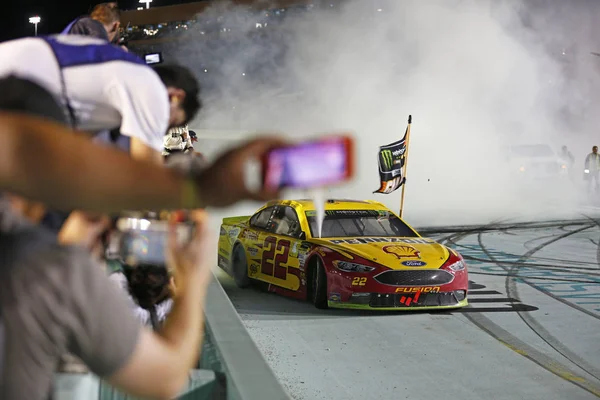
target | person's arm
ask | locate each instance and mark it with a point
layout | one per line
(47, 162)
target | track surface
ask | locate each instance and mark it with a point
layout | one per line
(532, 330)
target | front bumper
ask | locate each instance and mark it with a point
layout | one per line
(403, 302)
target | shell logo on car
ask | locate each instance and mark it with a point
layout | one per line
(402, 251)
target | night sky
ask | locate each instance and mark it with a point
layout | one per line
(55, 14)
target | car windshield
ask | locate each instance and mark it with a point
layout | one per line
(534, 150)
(359, 223)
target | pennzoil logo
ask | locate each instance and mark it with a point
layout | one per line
(402, 251)
(427, 289)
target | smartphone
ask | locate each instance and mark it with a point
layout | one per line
(322, 162)
(143, 241)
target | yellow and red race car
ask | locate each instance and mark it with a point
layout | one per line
(365, 257)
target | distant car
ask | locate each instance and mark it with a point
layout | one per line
(366, 257)
(536, 161)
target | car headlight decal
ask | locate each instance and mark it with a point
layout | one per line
(457, 266)
(352, 267)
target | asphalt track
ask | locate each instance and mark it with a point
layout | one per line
(531, 331)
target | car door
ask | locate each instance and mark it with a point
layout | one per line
(280, 247)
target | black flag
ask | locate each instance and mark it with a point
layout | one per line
(392, 158)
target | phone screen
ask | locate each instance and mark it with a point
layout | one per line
(148, 244)
(311, 164)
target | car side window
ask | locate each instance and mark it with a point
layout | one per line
(285, 222)
(261, 219)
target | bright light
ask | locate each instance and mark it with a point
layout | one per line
(140, 8)
(35, 20)
(147, 2)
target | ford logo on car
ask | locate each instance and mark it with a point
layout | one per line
(414, 263)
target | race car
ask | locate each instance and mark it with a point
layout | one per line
(362, 256)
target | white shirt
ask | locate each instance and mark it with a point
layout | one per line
(106, 86)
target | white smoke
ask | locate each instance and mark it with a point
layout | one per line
(476, 75)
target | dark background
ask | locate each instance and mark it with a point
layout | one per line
(55, 14)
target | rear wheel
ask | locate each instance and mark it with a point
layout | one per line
(239, 266)
(318, 285)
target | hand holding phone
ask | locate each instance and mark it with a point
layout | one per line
(322, 162)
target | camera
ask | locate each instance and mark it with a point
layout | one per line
(142, 240)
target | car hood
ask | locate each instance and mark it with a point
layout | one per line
(394, 253)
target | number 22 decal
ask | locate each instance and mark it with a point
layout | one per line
(358, 281)
(275, 254)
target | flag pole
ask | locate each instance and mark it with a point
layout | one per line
(405, 165)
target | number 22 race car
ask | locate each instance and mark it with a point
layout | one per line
(365, 257)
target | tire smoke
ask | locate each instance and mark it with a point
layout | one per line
(477, 76)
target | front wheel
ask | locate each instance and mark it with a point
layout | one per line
(239, 266)
(318, 286)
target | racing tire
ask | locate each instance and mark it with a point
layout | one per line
(318, 286)
(239, 267)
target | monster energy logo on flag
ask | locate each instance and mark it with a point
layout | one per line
(391, 165)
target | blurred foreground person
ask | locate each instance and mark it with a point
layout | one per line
(102, 23)
(57, 299)
(592, 170)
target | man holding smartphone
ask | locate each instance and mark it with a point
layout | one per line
(57, 297)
